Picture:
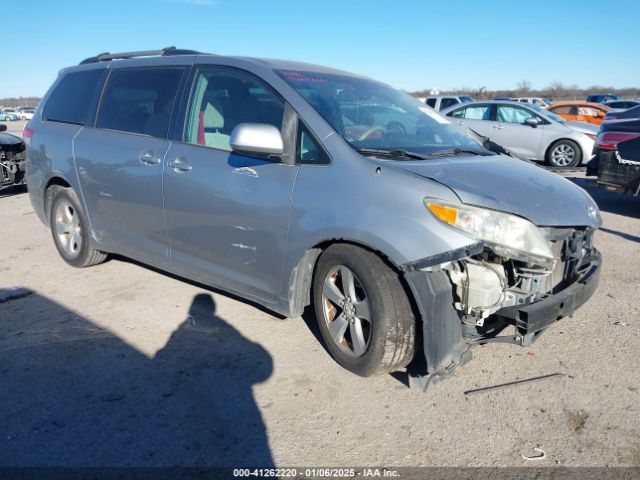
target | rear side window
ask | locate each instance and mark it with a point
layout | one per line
(140, 101)
(562, 110)
(477, 112)
(71, 98)
(431, 102)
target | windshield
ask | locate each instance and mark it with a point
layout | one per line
(467, 99)
(547, 113)
(372, 115)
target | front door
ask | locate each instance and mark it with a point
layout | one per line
(512, 132)
(227, 214)
(120, 162)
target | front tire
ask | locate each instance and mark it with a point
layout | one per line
(363, 311)
(564, 153)
(69, 229)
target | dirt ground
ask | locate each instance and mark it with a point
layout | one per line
(121, 365)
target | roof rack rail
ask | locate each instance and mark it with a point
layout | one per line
(164, 52)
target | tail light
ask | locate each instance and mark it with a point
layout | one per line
(27, 134)
(609, 140)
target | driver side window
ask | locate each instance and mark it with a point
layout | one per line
(511, 114)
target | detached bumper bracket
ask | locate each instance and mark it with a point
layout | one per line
(444, 257)
(538, 315)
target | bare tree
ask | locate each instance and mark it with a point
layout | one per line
(524, 87)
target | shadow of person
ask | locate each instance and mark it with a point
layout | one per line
(212, 369)
(74, 395)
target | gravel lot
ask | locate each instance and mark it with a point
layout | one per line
(15, 127)
(121, 365)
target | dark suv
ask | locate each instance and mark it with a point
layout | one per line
(602, 97)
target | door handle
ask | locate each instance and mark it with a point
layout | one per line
(148, 158)
(180, 165)
(497, 127)
(460, 122)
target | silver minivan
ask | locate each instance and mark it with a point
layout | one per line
(294, 185)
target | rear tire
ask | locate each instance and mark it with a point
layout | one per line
(363, 311)
(564, 153)
(69, 229)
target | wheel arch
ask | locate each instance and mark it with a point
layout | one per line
(301, 277)
(56, 180)
(556, 140)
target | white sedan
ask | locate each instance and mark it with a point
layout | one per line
(528, 131)
(26, 114)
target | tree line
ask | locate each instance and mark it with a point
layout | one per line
(13, 102)
(555, 91)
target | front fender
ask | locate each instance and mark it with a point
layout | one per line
(374, 205)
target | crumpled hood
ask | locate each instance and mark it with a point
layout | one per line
(510, 185)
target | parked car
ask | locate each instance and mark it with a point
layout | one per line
(239, 173)
(580, 111)
(617, 156)
(601, 97)
(622, 104)
(440, 102)
(12, 159)
(528, 130)
(7, 116)
(26, 114)
(633, 112)
(542, 102)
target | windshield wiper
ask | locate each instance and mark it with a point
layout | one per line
(396, 153)
(451, 152)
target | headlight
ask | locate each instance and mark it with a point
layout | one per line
(507, 235)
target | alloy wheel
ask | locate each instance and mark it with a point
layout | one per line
(346, 311)
(67, 228)
(563, 155)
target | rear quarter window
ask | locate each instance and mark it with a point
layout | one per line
(71, 98)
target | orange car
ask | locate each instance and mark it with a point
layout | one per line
(580, 111)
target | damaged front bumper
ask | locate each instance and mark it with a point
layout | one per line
(531, 319)
(520, 296)
(12, 166)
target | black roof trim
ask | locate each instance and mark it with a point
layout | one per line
(164, 52)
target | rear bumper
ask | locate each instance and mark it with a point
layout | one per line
(534, 317)
(617, 176)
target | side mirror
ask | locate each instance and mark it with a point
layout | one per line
(3, 127)
(532, 122)
(256, 138)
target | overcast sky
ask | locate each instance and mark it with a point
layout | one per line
(410, 44)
